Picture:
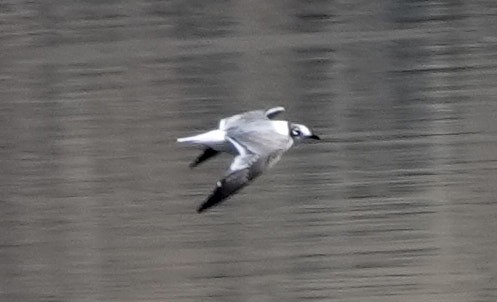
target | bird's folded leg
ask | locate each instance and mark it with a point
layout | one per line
(208, 153)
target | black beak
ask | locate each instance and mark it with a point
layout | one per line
(314, 136)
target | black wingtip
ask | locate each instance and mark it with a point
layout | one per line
(228, 186)
(215, 198)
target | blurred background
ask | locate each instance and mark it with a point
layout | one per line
(398, 203)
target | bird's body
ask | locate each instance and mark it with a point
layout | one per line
(256, 141)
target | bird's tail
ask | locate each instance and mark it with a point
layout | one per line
(185, 139)
(214, 136)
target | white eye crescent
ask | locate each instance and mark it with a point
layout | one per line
(296, 132)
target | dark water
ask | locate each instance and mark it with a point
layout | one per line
(397, 204)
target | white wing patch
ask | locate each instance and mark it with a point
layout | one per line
(241, 162)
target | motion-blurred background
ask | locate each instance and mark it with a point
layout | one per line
(397, 204)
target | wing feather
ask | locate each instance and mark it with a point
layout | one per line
(250, 116)
(243, 170)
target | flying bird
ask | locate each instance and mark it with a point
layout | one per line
(256, 141)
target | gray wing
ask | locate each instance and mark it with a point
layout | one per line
(243, 170)
(258, 138)
(250, 116)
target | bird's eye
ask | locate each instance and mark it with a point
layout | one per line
(296, 132)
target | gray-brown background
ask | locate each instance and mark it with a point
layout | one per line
(397, 204)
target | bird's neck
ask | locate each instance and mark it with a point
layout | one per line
(281, 127)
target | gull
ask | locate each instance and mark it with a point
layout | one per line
(256, 141)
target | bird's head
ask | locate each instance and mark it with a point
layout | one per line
(299, 132)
